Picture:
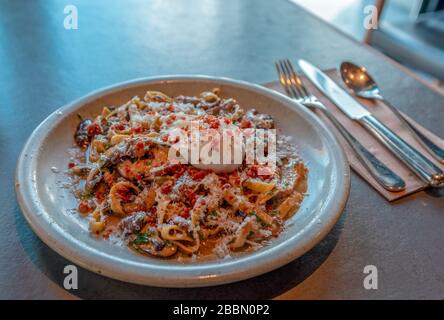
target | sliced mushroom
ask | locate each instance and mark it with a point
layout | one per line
(133, 223)
(156, 247)
(210, 101)
(110, 156)
(186, 99)
(156, 96)
(81, 170)
(93, 178)
(81, 136)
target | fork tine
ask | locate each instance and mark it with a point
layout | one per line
(292, 80)
(282, 79)
(285, 81)
(294, 93)
(298, 80)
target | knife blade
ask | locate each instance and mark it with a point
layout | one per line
(341, 98)
(418, 163)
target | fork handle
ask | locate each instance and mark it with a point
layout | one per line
(382, 174)
(418, 163)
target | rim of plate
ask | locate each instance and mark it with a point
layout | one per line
(205, 274)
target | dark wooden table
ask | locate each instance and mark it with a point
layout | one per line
(43, 66)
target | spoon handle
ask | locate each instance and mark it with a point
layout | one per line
(433, 149)
(382, 174)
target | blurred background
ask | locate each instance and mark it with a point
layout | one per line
(409, 31)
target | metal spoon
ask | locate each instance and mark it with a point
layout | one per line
(362, 84)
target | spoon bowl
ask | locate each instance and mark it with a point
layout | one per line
(359, 81)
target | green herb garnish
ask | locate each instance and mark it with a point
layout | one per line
(86, 195)
(168, 243)
(142, 238)
(263, 224)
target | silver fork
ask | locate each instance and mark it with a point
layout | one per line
(295, 89)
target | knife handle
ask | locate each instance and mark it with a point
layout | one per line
(382, 174)
(422, 166)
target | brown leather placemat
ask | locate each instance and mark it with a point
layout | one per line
(381, 112)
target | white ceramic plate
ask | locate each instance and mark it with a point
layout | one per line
(48, 207)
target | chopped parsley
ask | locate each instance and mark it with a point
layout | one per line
(262, 223)
(168, 243)
(143, 237)
(86, 195)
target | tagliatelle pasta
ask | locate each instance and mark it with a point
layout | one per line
(130, 187)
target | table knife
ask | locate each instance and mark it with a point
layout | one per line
(418, 163)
